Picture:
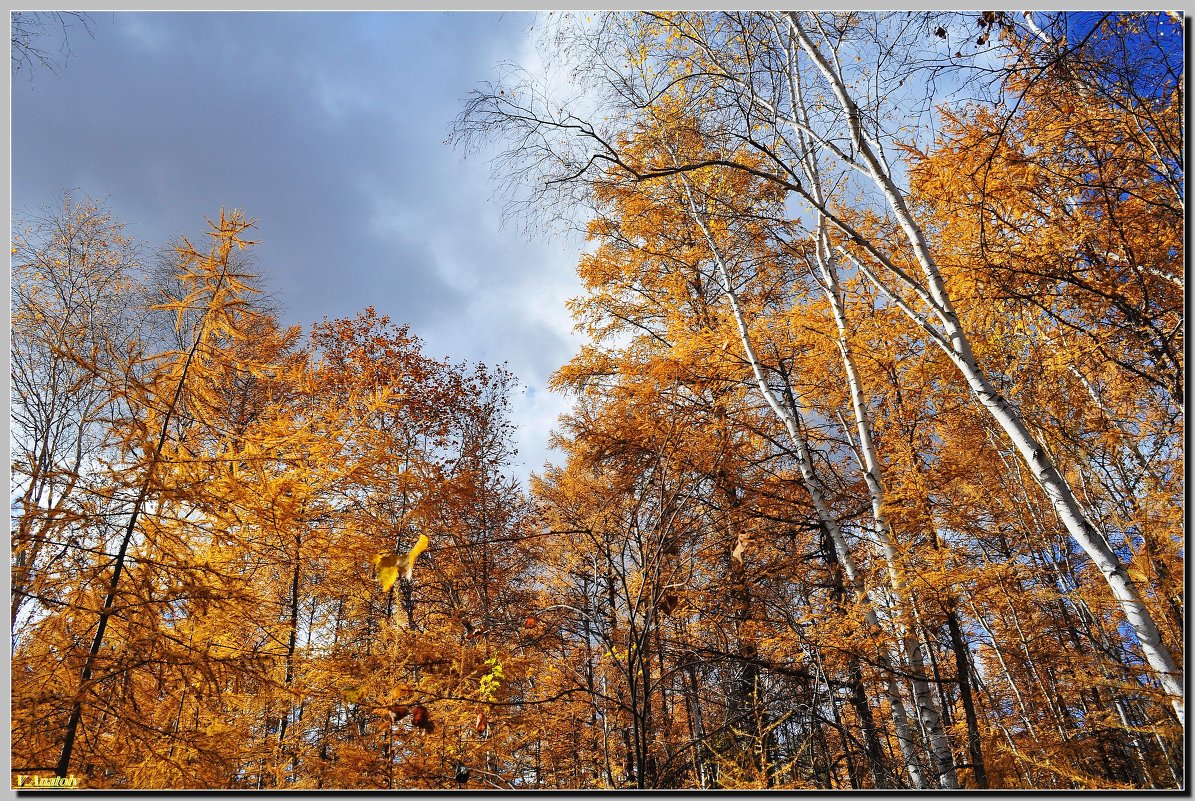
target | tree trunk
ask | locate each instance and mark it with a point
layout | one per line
(291, 645)
(962, 664)
(956, 345)
(813, 486)
(869, 461)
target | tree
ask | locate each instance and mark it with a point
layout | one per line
(219, 294)
(786, 89)
(29, 31)
(75, 288)
(243, 639)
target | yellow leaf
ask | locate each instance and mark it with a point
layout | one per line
(386, 577)
(387, 565)
(420, 547)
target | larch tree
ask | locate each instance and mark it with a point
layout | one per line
(788, 87)
(817, 107)
(212, 617)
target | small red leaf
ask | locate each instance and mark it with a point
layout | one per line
(421, 720)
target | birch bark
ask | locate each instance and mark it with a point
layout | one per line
(828, 279)
(953, 340)
(814, 487)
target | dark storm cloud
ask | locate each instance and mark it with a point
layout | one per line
(328, 129)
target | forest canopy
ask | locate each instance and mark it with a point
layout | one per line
(874, 474)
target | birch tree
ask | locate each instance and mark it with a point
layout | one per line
(75, 286)
(733, 70)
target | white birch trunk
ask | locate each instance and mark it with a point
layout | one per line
(954, 342)
(927, 709)
(813, 486)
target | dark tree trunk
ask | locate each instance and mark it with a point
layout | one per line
(963, 666)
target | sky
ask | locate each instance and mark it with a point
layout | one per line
(329, 129)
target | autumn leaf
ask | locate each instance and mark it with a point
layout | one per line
(388, 565)
(421, 720)
(420, 547)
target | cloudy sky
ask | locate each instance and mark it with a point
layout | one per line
(329, 129)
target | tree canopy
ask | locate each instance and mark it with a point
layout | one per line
(873, 479)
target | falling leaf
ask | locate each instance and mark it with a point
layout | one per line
(387, 566)
(420, 547)
(481, 723)
(737, 553)
(421, 720)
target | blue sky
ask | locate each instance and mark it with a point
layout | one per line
(329, 129)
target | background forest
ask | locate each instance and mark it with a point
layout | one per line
(873, 478)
